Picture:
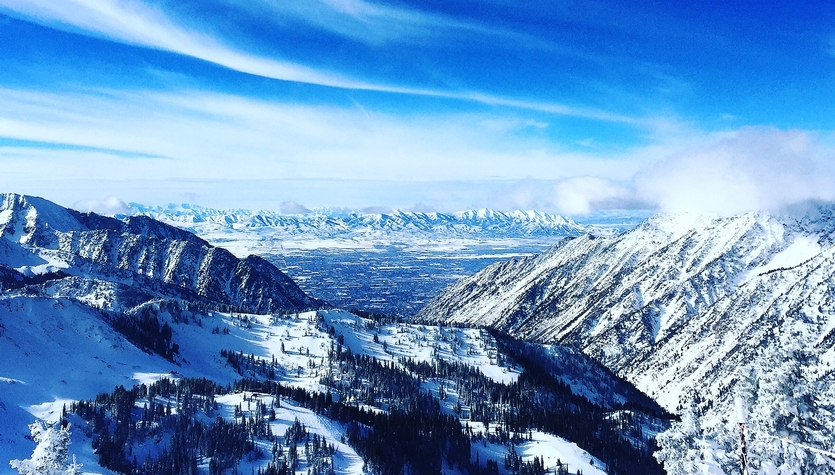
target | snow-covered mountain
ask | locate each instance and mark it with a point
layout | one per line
(677, 306)
(196, 340)
(131, 260)
(402, 225)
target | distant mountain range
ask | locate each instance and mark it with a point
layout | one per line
(406, 225)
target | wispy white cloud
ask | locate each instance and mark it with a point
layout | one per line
(376, 23)
(291, 207)
(729, 172)
(212, 139)
(207, 136)
(134, 22)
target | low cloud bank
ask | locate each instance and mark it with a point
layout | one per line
(583, 195)
(756, 169)
(724, 173)
(748, 170)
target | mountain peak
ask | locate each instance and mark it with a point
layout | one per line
(21, 216)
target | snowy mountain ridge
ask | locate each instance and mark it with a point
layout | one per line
(136, 257)
(678, 305)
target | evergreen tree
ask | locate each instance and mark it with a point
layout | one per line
(51, 456)
(783, 425)
(788, 417)
(685, 449)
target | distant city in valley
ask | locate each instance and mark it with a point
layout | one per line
(390, 279)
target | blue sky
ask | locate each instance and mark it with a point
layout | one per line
(568, 107)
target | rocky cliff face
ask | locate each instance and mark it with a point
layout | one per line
(38, 237)
(675, 305)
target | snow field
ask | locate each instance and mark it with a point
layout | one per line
(54, 351)
(551, 448)
(797, 252)
(306, 342)
(346, 461)
(470, 346)
(47, 346)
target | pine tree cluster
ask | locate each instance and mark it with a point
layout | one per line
(391, 419)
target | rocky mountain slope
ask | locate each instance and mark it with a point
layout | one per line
(134, 259)
(676, 305)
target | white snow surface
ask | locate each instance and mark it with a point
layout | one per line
(551, 448)
(802, 249)
(345, 460)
